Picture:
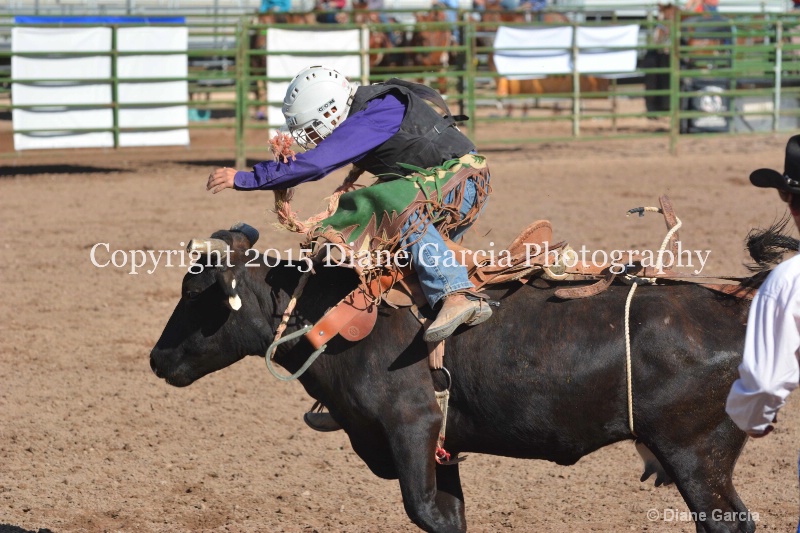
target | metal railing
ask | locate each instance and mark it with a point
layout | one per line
(694, 76)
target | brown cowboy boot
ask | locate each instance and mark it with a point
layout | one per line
(457, 309)
(321, 421)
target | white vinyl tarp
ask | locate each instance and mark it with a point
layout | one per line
(596, 56)
(56, 94)
(71, 84)
(147, 67)
(287, 65)
(528, 53)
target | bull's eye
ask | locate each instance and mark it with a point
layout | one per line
(193, 294)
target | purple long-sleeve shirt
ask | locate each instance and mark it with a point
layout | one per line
(349, 142)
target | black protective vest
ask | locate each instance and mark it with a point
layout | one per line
(425, 139)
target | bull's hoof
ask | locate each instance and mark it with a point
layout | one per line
(322, 422)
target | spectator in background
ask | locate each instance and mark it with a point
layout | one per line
(275, 6)
(378, 6)
(533, 5)
(702, 6)
(450, 8)
(510, 10)
(512, 5)
(507, 5)
(335, 11)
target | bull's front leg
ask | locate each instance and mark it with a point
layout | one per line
(412, 429)
(449, 495)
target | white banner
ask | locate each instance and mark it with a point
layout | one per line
(152, 39)
(528, 53)
(97, 97)
(154, 138)
(61, 68)
(148, 66)
(153, 117)
(595, 57)
(55, 94)
(64, 94)
(28, 39)
(50, 139)
(287, 66)
(64, 119)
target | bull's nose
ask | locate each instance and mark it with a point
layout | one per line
(153, 366)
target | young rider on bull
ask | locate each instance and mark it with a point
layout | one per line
(379, 128)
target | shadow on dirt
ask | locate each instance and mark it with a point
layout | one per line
(214, 163)
(32, 170)
(5, 528)
(499, 149)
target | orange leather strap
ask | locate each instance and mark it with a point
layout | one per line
(354, 317)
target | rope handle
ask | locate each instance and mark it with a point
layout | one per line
(641, 211)
(274, 346)
(636, 281)
(288, 218)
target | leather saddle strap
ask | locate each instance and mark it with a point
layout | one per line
(739, 291)
(435, 349)
(574, 293)
(353, 317)
(671, 220)
(341, 315)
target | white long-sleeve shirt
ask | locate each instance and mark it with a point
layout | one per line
(769, 369)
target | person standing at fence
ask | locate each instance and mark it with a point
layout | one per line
(702, 6)
(275, 6)
(450, 8)
(769, 371)
(334, 11)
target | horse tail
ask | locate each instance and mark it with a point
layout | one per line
(767, 246)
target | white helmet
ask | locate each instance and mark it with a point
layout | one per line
(316, 101)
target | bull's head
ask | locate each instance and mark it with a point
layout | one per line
(220, 317)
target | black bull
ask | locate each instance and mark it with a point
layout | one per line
(543, 379)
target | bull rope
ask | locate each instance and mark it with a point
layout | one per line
(635, 282)
(273, 348)
(281, 147)
(288, 219)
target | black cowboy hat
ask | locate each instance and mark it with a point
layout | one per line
(789, 180)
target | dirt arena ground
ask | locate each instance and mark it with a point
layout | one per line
(91, 440)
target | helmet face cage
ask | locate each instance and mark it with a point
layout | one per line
(316, 102)
(310, 136)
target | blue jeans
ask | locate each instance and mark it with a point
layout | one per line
(438, 270)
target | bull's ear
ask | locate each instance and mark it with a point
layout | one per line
(247, 230)
(227, 280)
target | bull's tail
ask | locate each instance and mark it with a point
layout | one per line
(767, 246)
